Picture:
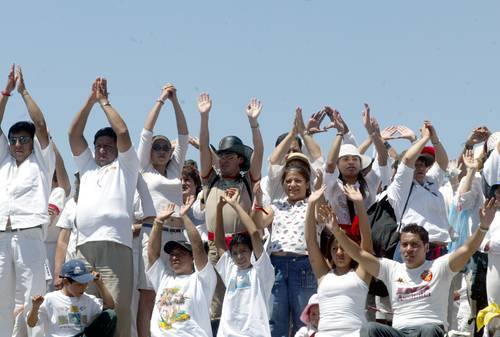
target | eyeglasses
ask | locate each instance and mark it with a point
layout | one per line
(158, 147)
(22, 140)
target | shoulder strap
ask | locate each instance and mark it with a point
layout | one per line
(406, 204)
(246, 182)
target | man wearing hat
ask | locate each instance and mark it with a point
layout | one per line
(240, 167)
(414, 192)
(27, 163)
(184, 291)
(104, 211)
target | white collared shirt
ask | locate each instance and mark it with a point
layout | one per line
(426, 206)
(105, 208)
(25, 189)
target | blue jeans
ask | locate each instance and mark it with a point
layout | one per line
(373, 329)
(294, 284)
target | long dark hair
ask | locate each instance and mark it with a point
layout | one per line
(363, 188)
(328, 253)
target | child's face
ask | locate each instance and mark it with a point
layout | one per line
(74, 289)
(314, 315)
(241, 255)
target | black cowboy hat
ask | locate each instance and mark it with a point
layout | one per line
(232, 144)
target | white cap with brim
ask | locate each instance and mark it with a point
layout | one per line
(351, 150)
(492, 141)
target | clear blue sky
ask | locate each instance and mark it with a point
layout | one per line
(411, 61)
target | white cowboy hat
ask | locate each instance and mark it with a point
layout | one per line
(351, 150)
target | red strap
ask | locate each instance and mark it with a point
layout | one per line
(228, 238)
(353, 228)
(5, 93)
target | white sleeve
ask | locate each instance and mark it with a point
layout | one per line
(144, 149)
(384, 270)
(330, 180)
(177, 162)
(224, 266)
(156, 273)
(4, 146)
(207, 277)
(494, 246)
(57, 198)
(436, 175)
(84, 161)
(273, 187)
(129, 160)
(491, 168)
(398, 190)
(46, 157)
(65, 219)
(443, 266)
(198, 213)
(265, 272)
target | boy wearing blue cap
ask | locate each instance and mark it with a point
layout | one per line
(72, 312)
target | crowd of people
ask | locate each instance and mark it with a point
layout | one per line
(147, 243)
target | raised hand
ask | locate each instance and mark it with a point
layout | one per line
(487, 213)
(406, 133)
(314, 123)
(187, 205)
(93, 91)
(168, 92)
(11, 80)
(102, 90)
(388, 132)
(425, 132)
(478, 135)
(231, 196)
(97, 277)
(330, 218)
(194, 142)
(299, 121)
(336, 121)
(37, 300)
(432, 130)
(469, 161)
(204, 103)
(316, 195)
(352, 193)
(375, 125)
(319, 179)
(254, 108)
(367, 123)
(21, 87)
(166, 212)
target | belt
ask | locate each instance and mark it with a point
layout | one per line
(9, 229)
(165, 229)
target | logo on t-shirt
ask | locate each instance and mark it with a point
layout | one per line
(426, 275)
(170, 308)
(241, 281)
(73, 318)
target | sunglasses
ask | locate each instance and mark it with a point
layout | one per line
(22, 140)
(158, 147)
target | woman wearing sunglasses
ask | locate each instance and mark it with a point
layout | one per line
(159, 184)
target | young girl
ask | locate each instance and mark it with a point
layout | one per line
(310, 317)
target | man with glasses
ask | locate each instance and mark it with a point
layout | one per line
(104, 213)
(239, 167)
(27, 163)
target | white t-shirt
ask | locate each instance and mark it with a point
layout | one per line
(61, 315)
(420, 295)
(105, 209)
(67, 221)
(342, 301)
(491, 168)
(245, 308)
(160, 190)
(182, 302)
(25, 189)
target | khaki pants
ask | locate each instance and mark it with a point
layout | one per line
(220, 289)
(114, 262)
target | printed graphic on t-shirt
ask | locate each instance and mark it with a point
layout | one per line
(73, 318)
(170, 308)
(241, 281)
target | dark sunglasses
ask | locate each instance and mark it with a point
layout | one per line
(22, 140)
(158, 147)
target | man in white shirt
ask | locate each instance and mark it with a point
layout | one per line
(104, 213)
(418, 289)
(27, 163)
(414, 192)
(183, 296)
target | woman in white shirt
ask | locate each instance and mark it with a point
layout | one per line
(342, 285)
(159, 184)
(294, 281)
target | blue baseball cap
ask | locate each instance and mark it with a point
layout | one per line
(76, 270)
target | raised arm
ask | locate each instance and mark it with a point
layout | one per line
(123, 141)
(150, 122)
(309, 141)
(262, 217)
(204, 106)
(60, 256)
(199, 254)
(441, 156)
(220, 242)
(9, 87)
(353, 194)
(36, 302)
(471, 165)
(371, 126)
(34, 111)
(231, 198)
(411, 155)
(366, 260)
(107, 299)
(333, 154)
(154, 245)
(61, 173)
(318, 262)
(459, 257)
(77, 140)
(280, 151)
(253, 110)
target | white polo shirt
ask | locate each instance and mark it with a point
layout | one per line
(105, 208)
(25, 189)
(160, 190)
(426, 206)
